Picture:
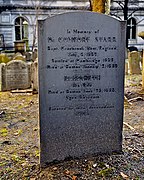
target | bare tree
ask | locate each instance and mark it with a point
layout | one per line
(124, 6)
(38, 6)
(128, 11)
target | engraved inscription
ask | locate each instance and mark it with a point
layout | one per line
(17, 76)
(84, 56)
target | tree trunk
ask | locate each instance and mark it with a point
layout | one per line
(107, 7)
(98, 6)
(125, 11)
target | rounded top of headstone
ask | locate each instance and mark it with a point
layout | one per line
(84, 15)
(18, 54)
(80, 21)
(35, 50)
(134, 53)
(2, 64)
(19, 57)
(17, 63)
(132, 48)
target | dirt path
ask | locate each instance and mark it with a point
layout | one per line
(19, 143)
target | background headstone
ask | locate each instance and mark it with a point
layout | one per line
(29, 65)
(126, 67)
(81, 85)
(19, 57)
(34, 54)
(2, 77)
(17, 75)
(134, 62)
(28, 56)
(34, 76)
(16, 54)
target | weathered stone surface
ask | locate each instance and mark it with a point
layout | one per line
(81, 85)
(2, 76)
(134, 62)
(34, 75)
(29, 64)
(16, 54)
(17, 75)
(19, 57)
(34, 54)
(28, 56)
(126, 68)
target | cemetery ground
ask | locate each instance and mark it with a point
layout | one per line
(19, 142)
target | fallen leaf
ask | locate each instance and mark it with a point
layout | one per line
(107, 166)
(74, 178)
(19, 132)
(105, 172)
(124, 176)
(95, 165)
(4, 132)
(24, 164)
(55, 168)
(67, 172)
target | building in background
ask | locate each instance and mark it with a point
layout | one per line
(18, 17)
(135, 19)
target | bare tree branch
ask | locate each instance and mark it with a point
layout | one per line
(121, 4)
(90, 1)
(37, 7)
(112, 14)
(139, 21)
(131, 14)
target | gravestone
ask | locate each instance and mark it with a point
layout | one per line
(17, 54)
(17, 75)
(134, 62)
(34, 54)
(81, 85)
(3, 77)
(19, 57)
(34, 76)
(29, 65)
(126, 67)
(2, 72)
(28, 56)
